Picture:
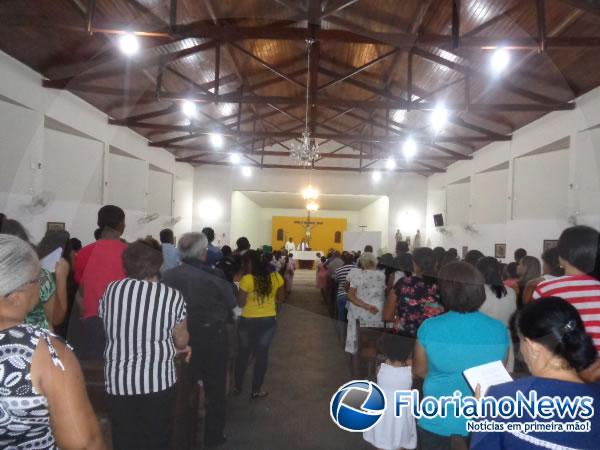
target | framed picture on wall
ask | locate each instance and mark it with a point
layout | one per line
(55, 226)
(500, 251)
(550, 243)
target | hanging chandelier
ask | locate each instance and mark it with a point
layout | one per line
(306, 151)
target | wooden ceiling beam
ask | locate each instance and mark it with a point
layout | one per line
(120, 66)
(335, 6)
(469, 126)
(357, 70)
(368, 105)
(589, 6)
(324, 168)
(292, 135)
(268, 66)
(314, 60)
(148, 115)
(324, 155)
(229, 33)
(470, 71)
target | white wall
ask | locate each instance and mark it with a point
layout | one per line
(526, 190)
(52, 141)
(246, 220)
(376, 218)
(214, 186)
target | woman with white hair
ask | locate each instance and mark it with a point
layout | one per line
(43, 400)
(366, 295)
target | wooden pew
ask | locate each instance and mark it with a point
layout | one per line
(188, 415)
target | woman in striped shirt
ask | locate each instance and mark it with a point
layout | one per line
(578, 251)
(145, 325)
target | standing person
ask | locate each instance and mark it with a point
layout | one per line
(290, 246)
(242, 246)
(260, 290)
(169, 252)
(577, 251)
(528, 269)
(341, 277)
(394, 432)
(510, 276)
(473, 256)
(290, 269)
(209, 301)
(438, 256)
(398, 236)
(556, 349)
(214, 253)
(322, 278)
(451, 343)
(417, 241)
(551, 270)
(415, 297)
(98, 264)
(366, 295)
(500, 303)
(145, 325)
(44, 400)
(51, 307)
(520, 253)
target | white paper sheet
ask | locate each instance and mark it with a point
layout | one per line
(49, 261)
(487, 375)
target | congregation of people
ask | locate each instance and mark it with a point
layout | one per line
(145, 309)
(140, 310)
(439, 315)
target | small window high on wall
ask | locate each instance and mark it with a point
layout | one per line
(337, 237)
(280, 234)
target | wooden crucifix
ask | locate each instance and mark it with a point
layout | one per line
(308, 225)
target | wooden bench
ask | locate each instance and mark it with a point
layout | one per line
(188, 415)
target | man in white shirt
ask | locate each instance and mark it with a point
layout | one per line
(290, 246)
(303, 246)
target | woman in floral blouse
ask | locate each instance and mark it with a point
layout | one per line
(415, 297)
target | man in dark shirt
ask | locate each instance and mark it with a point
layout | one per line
(214, 253)
(209, 301)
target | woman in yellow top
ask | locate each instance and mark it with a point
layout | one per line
(260, 290)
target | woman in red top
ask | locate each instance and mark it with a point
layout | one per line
(97, 265)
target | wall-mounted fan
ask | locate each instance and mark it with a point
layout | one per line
(172, 221)
(148, 218)
(39, 203)
(469, 228)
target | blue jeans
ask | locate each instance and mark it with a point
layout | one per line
(254, 337)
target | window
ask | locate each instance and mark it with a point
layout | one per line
(337, 237)
(280, 234)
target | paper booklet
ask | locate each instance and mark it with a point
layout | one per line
(487, 375)
(49, 261)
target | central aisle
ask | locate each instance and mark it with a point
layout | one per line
(307, 365)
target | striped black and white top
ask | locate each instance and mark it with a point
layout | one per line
(139, 318)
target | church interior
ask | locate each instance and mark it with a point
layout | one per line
(276, 174)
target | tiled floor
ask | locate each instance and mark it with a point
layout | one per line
(307, 365)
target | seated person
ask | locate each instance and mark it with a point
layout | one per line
(556, 347)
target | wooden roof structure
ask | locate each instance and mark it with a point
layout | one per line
(377, 69)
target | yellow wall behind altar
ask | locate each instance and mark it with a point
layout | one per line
(322, 236)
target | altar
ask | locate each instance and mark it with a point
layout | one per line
(306, 258)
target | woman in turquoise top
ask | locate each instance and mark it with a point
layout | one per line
(452, 342)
